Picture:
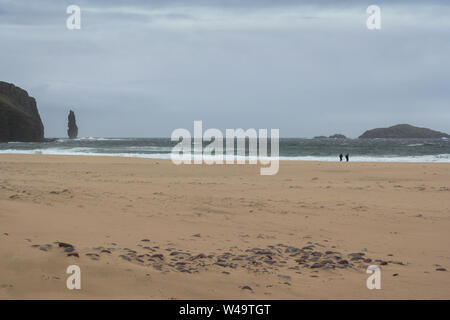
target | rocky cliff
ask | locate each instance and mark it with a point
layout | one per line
(403, 131)
(19, 116)
(72, 130)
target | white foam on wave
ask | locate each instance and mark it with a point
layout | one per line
(84, 151)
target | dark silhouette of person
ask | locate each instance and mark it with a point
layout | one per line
(341, 156)
(347, 157)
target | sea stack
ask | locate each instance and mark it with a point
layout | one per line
(72, 130)
(19, 116)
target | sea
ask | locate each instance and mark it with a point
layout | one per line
(294, 149)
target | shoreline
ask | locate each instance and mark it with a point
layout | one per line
(281, 158)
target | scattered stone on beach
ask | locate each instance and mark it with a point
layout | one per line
(45, 247)
(124, 257)
(246, 288)
(270, 259)
(356, 256)
(199, 256)
(317, 265)
(73, 254)
(292, 250)
(441, 269)
(284, 277)
(60, 192)
(93, 256)
(64, 245)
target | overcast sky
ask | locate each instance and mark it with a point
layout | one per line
(145, 68)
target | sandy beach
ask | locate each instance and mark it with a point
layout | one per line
(147, 229)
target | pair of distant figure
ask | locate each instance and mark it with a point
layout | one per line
(347, 157)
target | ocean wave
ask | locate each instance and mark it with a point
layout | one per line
(91, 139)
(83, 151)
(415, 145)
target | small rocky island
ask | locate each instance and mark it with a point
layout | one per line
(337, 136)
(19, 117)
(72, 130)
(334, 136)
(403, 131)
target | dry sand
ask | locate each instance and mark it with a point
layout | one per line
(222, 228)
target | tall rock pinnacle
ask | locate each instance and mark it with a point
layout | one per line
(72, 130)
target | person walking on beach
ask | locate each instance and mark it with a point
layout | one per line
(340, 157)
(347, 156)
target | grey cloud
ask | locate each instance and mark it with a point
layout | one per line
(144, 68)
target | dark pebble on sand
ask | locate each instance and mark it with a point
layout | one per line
(199, 256)
(246, 288)
(221, 264)
(73, 254)
(441, 269)
(356, 256)
(317, 265)
(264, 252)
(285, 277)
(292, 250)
(92, 255)
(124, 257)
(64, 245)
